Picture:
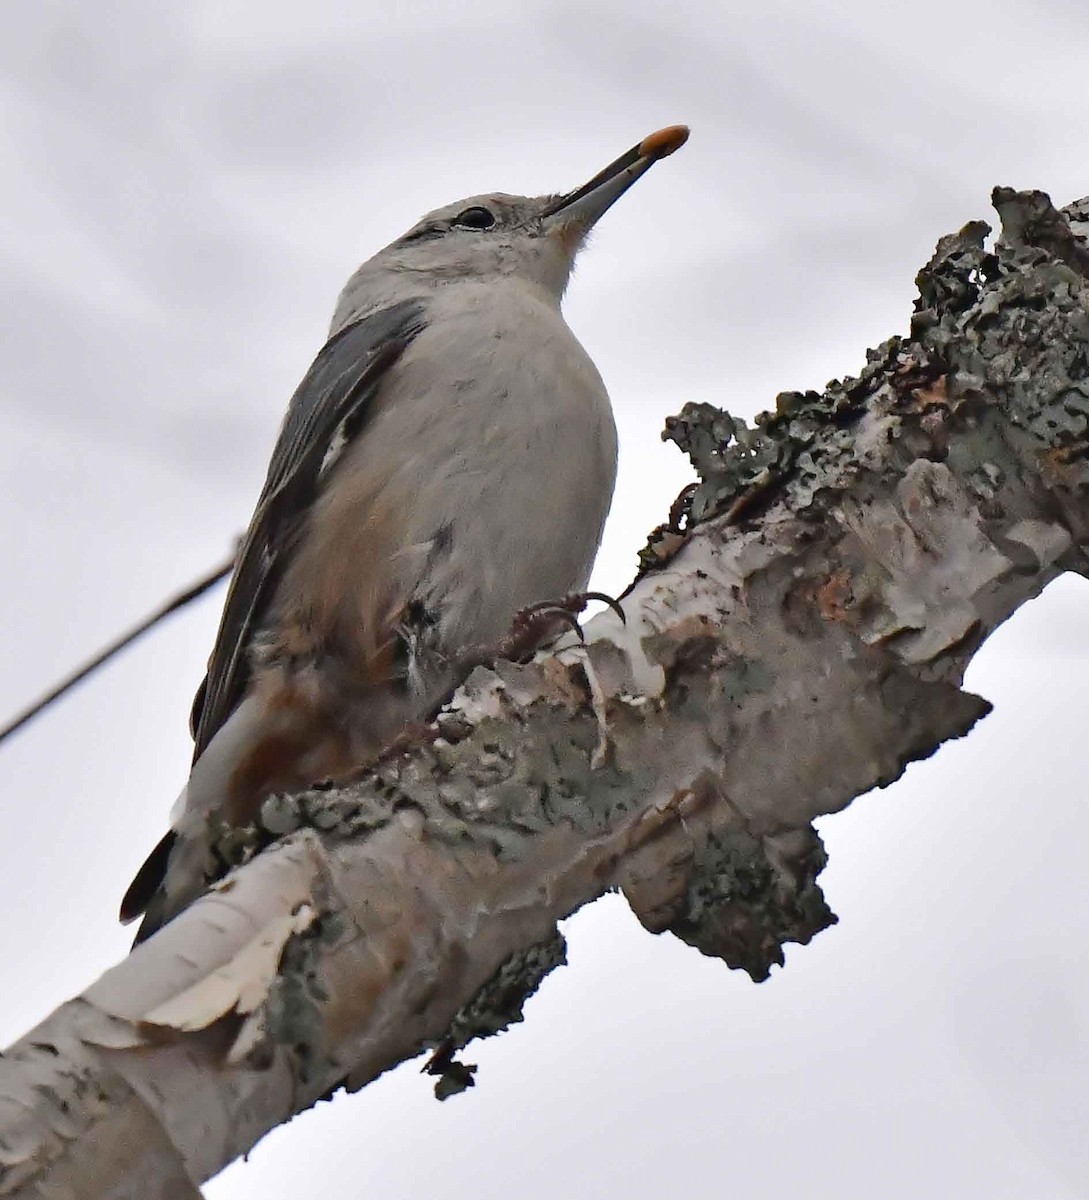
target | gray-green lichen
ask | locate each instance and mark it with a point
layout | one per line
(1023, 341)
(291, 1015)
(807, 443)
(483, 788)
(1009, 325)
(998, 347)
(748, 896)
(498, 1005)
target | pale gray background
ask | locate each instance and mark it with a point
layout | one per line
(185, 186)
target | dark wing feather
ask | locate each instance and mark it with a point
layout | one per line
(332, 396)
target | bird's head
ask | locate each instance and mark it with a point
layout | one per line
(535, 238)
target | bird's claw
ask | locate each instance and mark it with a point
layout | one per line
(609, 601)
(533, 623)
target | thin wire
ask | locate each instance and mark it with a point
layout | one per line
(115, 647)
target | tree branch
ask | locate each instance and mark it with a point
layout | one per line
(797, 636)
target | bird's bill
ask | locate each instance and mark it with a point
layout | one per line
(585, 206)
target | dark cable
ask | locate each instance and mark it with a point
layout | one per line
(115, 647)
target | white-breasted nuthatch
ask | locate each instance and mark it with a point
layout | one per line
(447, 462)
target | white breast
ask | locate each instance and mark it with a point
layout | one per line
(495, 440)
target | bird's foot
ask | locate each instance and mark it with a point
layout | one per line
(533, 626)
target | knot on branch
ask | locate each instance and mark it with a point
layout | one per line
(748, 897)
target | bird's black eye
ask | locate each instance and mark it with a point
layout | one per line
(475, 218)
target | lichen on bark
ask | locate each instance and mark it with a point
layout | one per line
(933, 448)
(798, 634)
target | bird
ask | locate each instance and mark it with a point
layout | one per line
(447, 463)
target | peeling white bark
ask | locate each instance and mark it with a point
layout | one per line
(796, 649)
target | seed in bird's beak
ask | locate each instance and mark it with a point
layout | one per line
(663, 143)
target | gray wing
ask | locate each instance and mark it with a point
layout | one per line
(328, 409)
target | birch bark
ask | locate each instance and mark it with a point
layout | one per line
(798, 635)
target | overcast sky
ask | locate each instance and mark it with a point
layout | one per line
(185, 188)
